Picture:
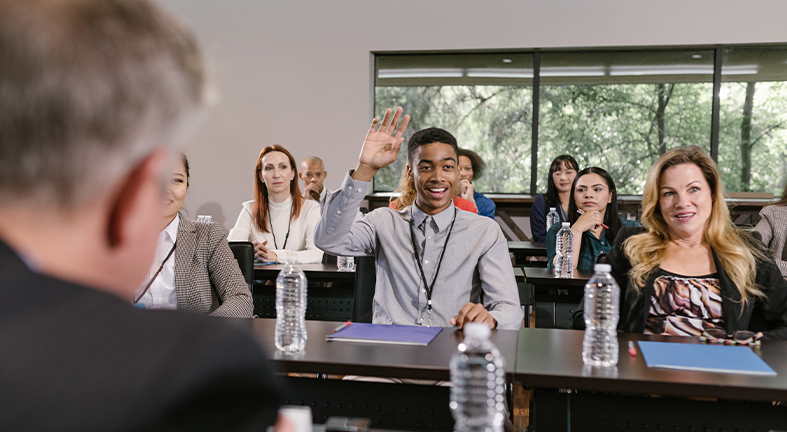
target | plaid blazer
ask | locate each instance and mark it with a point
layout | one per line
(207, 277)
(773, 229)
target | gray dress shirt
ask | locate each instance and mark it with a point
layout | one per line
(476, 259)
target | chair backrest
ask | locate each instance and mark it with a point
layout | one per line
(365, 281)
(328, 258)
(244, 254)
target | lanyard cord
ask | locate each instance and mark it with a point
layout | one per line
(427, 286)
(289, 222)
(157, 273)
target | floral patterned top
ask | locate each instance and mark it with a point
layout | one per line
(684, 305)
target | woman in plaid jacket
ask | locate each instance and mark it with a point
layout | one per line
(194, 268)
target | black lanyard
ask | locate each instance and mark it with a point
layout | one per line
(427, 286)
(157, 272)
(289, 222)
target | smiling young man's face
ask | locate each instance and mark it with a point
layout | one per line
(433, 170)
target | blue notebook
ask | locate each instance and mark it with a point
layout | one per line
(385, 334)
(705, 358)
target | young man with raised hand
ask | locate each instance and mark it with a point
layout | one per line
(93, 93)
(435, 264)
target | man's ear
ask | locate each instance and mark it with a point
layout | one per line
(133, 203)
(300, 176)
(324, 174)
(409, 172)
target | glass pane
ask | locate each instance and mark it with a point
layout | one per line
(484, 104)
(753, 120)
(621, 110)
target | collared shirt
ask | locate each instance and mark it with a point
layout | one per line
(476, 259)
(591, 247)
(161, 294)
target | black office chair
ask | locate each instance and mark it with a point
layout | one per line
(526, 300)
(365, 281)
(244, 254)
(328, 258)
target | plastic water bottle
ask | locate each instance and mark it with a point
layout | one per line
(602, 311)
(478, 382)
(564, 247)
(291, 307)
(552, 217)
(345, 263)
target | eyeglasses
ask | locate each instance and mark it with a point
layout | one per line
(740, 337)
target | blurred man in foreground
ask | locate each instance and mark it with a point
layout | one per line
(93, 93)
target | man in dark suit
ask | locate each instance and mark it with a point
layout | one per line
(92, 92)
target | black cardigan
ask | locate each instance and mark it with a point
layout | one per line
(768, 315)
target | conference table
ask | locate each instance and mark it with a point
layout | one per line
(330, 292)
(556, 299)
(314, 272)
(524, 249)
(567, 395)
(404, 406)
(632, 396)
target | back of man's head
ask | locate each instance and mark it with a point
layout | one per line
(88, 88)
(429, 136)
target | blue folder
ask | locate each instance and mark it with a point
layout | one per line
(385, 334)
(705, 358)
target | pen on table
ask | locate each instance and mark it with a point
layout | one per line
(632, 349)
(581, 212)
(342, 327)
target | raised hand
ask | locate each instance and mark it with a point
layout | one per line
(381, 146)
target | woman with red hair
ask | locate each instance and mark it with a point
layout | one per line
(278, 220)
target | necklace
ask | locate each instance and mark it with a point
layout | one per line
(289, 222)
(427, 286)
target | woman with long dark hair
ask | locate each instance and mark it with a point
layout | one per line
(278, 220)
(593, 214)
(561, 176)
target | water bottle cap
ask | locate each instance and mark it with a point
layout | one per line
(477, 330)
(602, 268)
(566, 224)
(291, 259)
(552, 208)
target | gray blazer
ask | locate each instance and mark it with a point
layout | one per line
(773, 229)
(207, 277)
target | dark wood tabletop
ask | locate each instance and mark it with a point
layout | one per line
(552, 358)
(546, 277)
(527, 248)
(324, 272)
(397, 361)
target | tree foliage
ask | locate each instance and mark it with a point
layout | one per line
(622, 128)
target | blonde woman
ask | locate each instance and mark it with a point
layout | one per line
(690, 269)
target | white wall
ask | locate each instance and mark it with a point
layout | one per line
(298, 73)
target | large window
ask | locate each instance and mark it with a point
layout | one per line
(619, 110)
(485, 100)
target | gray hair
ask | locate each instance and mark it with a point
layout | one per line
(88, 88)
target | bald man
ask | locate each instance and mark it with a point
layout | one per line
(313, 174)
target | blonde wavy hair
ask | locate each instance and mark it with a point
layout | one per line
(734, 248)
(406, 188)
